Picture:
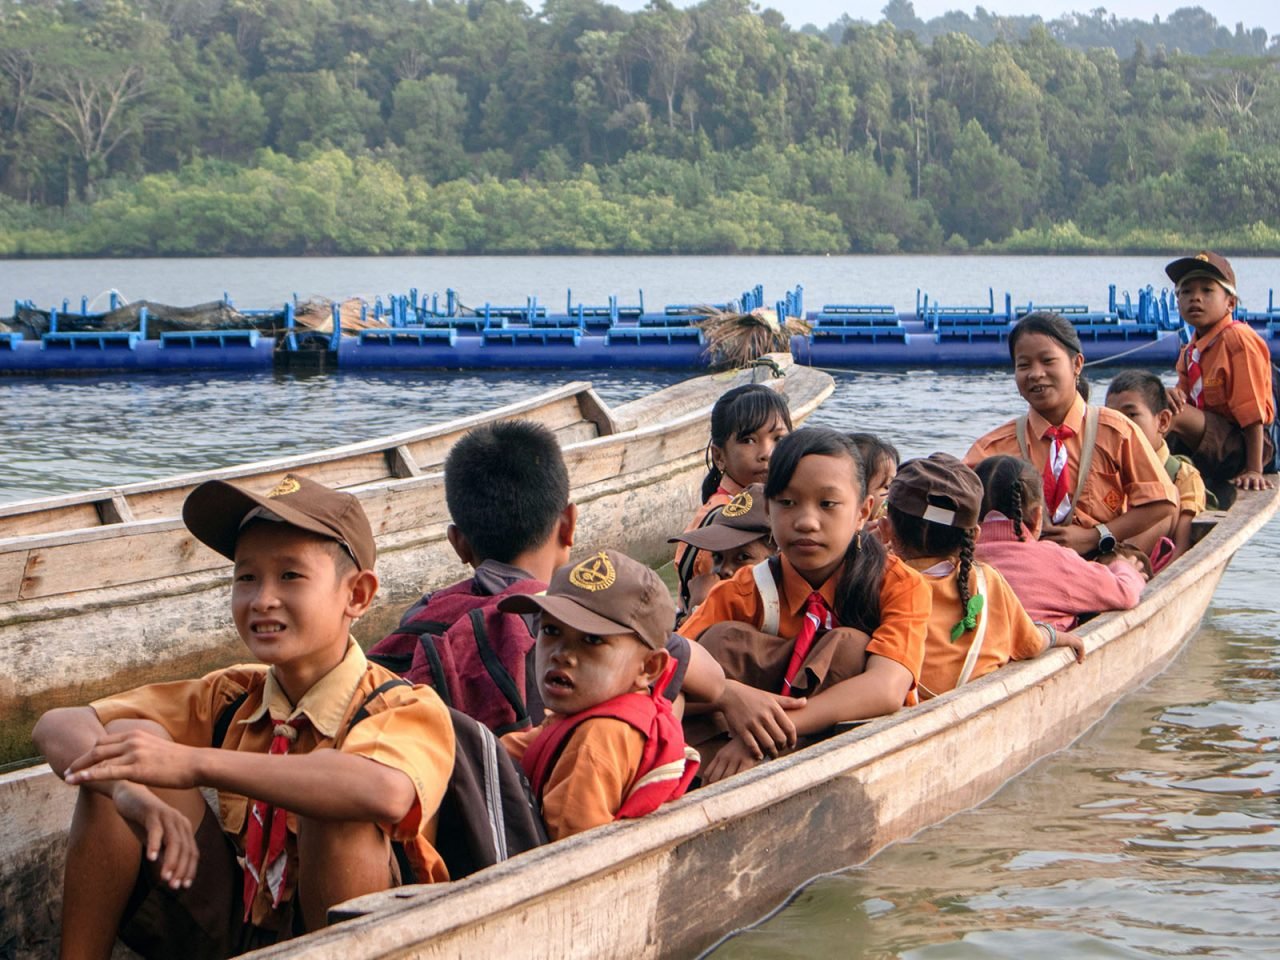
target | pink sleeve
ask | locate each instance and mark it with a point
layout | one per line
(1092, 587)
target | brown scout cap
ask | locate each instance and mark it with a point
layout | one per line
(216, 511)
(1203, 264)
(604, 594)
(738, 522)
(938, 488)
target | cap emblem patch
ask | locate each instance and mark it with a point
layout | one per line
(285, 487)
(739, 506)
(1202, 255)
(594, 574)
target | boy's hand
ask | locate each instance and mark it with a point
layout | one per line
(1176, 398)
(757, 719)
(732, 758)
(1253, 480)
(1073, 643)
(1072, 536)
(163, 830)
(139, 757)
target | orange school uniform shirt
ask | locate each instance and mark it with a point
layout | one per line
(728, 489)
(1235, 371)
(408, 729)
(591, 778)
(1192, 497)
(1011, 634)
(904, 610)
(1125, 473)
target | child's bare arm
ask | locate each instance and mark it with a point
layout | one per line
(324, 784)
(1182, 533)
(759, 720)
(880, 689)
(703, 678)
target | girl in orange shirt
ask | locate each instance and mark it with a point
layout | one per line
(1124, 493)
(746, 424)
(977, 623)
(835, 617)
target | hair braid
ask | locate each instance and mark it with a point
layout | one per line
(964, 570)
(1015, 504)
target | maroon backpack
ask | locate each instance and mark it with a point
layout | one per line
(458, 642)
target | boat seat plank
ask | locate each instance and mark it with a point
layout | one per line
(115, 510)
(401, 463)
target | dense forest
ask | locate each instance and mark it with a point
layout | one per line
(169, 127)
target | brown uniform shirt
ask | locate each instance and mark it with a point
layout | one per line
(408, 729)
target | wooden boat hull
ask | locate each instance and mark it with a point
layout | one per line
(113, 606)
(674, 882)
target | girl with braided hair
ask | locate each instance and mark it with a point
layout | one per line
(977, 623)
(1056, 585)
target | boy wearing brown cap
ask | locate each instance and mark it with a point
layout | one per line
(1223, 401)
(320, 759)
(610, 747)
(738, 535)
(977, 623)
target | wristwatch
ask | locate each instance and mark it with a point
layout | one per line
(1106, 539)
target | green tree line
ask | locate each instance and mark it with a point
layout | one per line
(132, 127)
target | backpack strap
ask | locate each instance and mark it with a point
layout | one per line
(362, 712)
(770, 604)
(1088, 441)
(684, 569)
(426, 631)
(984, 615)
(499, 674)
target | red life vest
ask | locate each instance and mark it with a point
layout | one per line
(473, 655)
(666, 765)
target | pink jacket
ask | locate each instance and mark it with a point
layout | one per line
(1056, 585)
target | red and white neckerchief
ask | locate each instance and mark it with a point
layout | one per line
(265, 859)
(1057, 478)
(1195, 377)
(817, 616)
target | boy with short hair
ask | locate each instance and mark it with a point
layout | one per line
(1141, 397)
(507, 488)
(368, 757)
(1223, 402)
(609, 748)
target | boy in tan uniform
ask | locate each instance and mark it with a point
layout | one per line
(320, 759)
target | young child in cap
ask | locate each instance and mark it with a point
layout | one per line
(1223, 402)
(610, 747)
(737, 536)
(507, 488)
(320, 759)
(977, 624)
(1141, 397)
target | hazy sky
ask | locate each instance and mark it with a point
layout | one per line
(1253, 13)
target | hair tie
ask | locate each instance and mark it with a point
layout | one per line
(970, 620)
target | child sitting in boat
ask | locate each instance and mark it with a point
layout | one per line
(292, 835)
(977, 624)
(737, 536)
(831, 630)
(882, 460)
(746, 424)
(1056, 585)
(610, 747)
(1141, 397)
(1224, 400)
(1102, 482)
(507, 489)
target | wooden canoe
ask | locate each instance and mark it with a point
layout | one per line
(109, 605)
(671, 884)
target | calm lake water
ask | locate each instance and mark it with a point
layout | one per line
(1157, 834)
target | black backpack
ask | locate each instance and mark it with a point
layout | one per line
(488, 813)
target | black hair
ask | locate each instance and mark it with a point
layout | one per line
(875, 451)
(344, 561)
(739, 413)
(928, 539)
(1055, 327)
(857, 597)
(506, 485)
(1144, 383)
(1010, 486)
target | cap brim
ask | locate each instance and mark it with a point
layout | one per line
(215, 510)
(566, 611)
(718, 537)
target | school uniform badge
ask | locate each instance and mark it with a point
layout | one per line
(285, 487)
(739, 506)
